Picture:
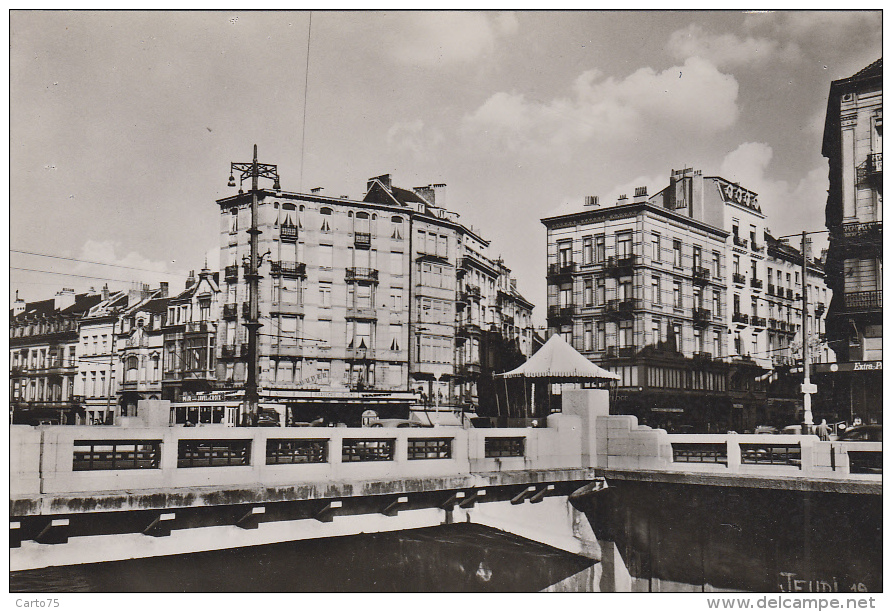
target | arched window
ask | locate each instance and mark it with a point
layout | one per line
(233, 221)
(131, 369)
(396, 228)
(326, 213)
(361, 224)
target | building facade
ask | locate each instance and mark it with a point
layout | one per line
(43, 359)
(853, 146)
(358, 301)
(670, 291)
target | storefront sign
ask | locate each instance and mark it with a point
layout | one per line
(853, 366)
(738, 195)
(667, 409)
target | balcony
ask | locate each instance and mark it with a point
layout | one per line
(467, 329)
(874, 164)
(231, 273)
(199, 327)
(739, 317)
(288, 269)
(702, 317)
(246, 310)
(364, 313)
(471, 292)
(864, 301)
(773, 324)
(360, 354)
(362, 240)
(819, 309)
(789, 294)
(756, 283)
(757, 248)
(770, 289)
(757, 321)
(287, 308)
(230, 311)
(469, 369)
(558, 315)
(738, 278)
(741, 242)
(229, 351)
(623, 352)
(782, 360)
(622, 309)
(700, 275)
(621, 265)
(703, 357)
(561, 272)
(363, 275)
(288, 233)
(860, 235)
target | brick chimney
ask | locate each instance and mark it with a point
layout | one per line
(640, 194)
(104, 293)
(190, 280)
(384, 179)
(164, 288)
(18, 306)
(591, 201)
(64, 299)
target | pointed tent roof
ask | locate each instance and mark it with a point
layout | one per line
(560, 362)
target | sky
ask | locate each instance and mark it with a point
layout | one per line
(123, 125)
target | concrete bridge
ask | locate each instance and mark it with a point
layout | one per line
(584, 484)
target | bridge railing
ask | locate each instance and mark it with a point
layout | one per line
(79, 459)
(623, 444)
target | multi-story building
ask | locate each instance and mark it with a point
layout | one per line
(43, 358)
(853, 145)
(357, 300)
(669, 291)
(139, 345)
(190, 333)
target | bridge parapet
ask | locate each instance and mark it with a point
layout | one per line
(624, 444)
(83, 459)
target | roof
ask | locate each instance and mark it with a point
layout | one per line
(559, 362)
(82, 303)
(870, 75)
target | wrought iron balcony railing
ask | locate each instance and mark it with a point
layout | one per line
(875, 163)
(288, 269)
(756, 283)
(230, 311)
(231, 272)
(770, 289)
(362, 240)
(362, 274)
(757, 321)
(861, 232)
(741, 242)
(701, 316)
(739, 317)
(701, 275)
(863, 301)
(621, 264)
(288, 233)
(738, 278)
(559, 271)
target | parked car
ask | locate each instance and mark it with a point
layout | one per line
(791, 430)
(267, 418)
(396, 423)
(862, 433)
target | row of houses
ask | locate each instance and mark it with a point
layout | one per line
(376, 304)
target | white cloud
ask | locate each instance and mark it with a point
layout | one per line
(441, 38)
(727, 50)
(692, 97)
(412, 136)
(131, 267)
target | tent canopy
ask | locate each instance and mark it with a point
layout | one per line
(559, 362)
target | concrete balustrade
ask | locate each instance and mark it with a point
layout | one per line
(51, 470)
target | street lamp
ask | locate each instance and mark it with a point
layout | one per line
(255, 171)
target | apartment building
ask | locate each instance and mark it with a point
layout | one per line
(43, 358)
(139, 347)
(853, 146)
(669, 291)
(190, 333)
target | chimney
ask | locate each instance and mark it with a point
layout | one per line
(591, 201)
(622, 199)
(19, 305)
(64, 299)
(384, 179)
(439, 194)
(164, 288)
(640, 194)
(190, 280)
(145, 291)
(104, 292)
(428, 193)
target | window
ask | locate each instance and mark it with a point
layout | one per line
(233, 221)
(326, 215)
(587, 251)
(602, 336)
(656, 331)
(625, 333)
(716, 304)
(755, 304)
(753, 269)
(212, 453)
(656, 247)
(396, 336)
(623, 244)
(625, 288)
(566, 296)
(717, 344)
(676, 294)
(131, 368)
(565, 253)
(396, 298)
(717, 263)
(396, 228)
(736, 303)
(588, 291)
(326, 256)
(396, 263)
(676, 253)
(325, 295)
(656, 290)
(285, 451)
(323, 372)
(600, 250)
(698, 257)
(116, 455)
(698, 298)
(601, 293)
(587, 337)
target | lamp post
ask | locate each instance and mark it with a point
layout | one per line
(256, 171)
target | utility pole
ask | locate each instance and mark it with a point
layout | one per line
(255, 170)
(807, 387)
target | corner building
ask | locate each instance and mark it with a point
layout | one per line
(357, 301)
(853, 146)
(668, 291)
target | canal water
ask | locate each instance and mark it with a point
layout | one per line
(449, 558)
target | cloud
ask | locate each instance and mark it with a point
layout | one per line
(729, 50)
(441, 38)
(129, 268)
(692, 97)
(412, 136)
(576, 203)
